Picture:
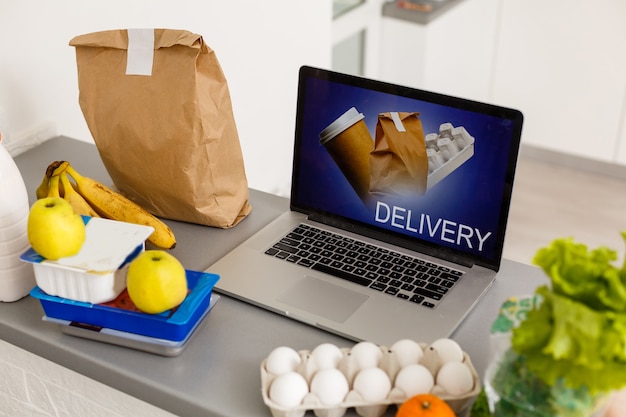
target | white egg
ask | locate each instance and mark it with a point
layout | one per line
(415, 379)
(366, 354)
(455, 378)
(281, 360)
(330, 386)
(407, 352)
(372, 384)
(448, 350)
(288, 390)
(326, 356)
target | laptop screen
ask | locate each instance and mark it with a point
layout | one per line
(421, 170)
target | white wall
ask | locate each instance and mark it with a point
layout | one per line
(260, 45)
(559, 62)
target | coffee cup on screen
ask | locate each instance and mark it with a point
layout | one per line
(349, 143)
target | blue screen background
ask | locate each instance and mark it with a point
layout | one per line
(471, 195)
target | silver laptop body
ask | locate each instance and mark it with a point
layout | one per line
(455, 218)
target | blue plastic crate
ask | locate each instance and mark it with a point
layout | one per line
(175, 324)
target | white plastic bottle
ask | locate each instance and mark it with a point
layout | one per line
(16, 277)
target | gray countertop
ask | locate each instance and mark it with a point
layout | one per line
(218, 373)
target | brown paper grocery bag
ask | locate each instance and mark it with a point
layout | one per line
(158, 106)
(398, 163)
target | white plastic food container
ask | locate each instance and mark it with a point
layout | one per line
(97, 274)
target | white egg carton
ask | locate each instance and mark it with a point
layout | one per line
(447, 151)
(460, 404)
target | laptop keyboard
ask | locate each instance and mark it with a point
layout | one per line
(380, 269)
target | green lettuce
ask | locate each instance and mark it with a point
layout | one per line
(583, 275)
(577, 334)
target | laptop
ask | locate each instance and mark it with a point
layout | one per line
(411, 255)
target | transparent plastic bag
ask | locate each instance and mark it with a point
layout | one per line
(513, 390)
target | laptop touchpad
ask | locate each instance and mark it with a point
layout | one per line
(323, 299)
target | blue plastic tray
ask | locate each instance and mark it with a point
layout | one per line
(175, 324)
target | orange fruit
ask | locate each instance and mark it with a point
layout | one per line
(425, 405)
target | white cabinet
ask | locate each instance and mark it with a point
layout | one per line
(621, 144)
(355, 38)
(453, 54)
(562, 63)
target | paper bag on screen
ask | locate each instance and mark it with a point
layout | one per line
(158, 107)
(398, 163)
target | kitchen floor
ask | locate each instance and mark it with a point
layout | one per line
(553, 201)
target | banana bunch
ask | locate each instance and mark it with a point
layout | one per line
(91, 198)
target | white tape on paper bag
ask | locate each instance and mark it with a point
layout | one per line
(140, 52)
(396, 120)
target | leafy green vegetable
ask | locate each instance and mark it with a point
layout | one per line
(583, 275)
(578, 333)
(480, 407)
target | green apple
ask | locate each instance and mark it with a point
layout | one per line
(54, 229)
(156, 281)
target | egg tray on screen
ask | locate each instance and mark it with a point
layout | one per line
(460, 404)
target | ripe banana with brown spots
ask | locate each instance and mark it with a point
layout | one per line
(113, 205)
(78, 203)
(55, 168)
(53, 187)
(42, 189)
